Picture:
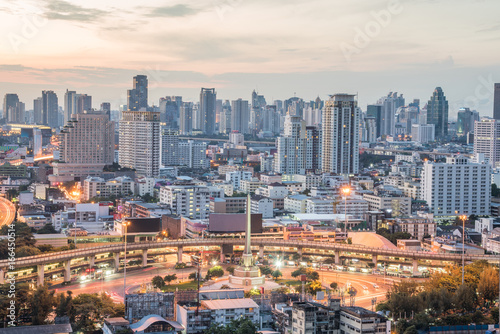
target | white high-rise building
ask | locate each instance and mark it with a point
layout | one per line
(389, 104)
(422, 133)
(169, 147)
(291, 155)
(340, 135)
(457, 186)
(235, 178)
(190, 200)
(140, 142)
(487, 139)
(193, 154)
(240, 116)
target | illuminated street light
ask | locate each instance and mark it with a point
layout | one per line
(463, 218)
(346, 191)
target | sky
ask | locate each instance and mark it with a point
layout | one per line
(281, 48)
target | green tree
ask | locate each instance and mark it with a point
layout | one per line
(411, 330)
(313, 287)
(230, 270)
(216, 271)
(266, 270)
(276, 274)
(42, 302)
(237, 326)
(465, 298)
(495, 192)
(27, 251)
(158, 282)
(170, 278)
(252, 292)
(64, 304)
(333, 286)
(47, 229)
(225, 287)
(488, 284)
(91, 309)
(193, 275)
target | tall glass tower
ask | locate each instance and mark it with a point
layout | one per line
(437, 113)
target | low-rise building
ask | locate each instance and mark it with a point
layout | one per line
(98, 187)
(190, 200)
(356, 319)
(296, 203)
(399, 205)
(264, 205)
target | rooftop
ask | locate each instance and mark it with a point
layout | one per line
(43, 329)
(229, 304)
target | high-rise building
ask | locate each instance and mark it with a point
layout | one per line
(225, 118)
(84, 103)
(169, 147)
(496, 102)
(291, 155)
(106, 107)
(207, 110)
(170, 111)
(465, 121)
(193, 154)
(422, 133)
(388, 106)
(70, 102)
(313, 149)
(437, 113)
(375, 111)
(137, 98)
(186, 118)
(370, 129)
(9, 104)
(37, 110)
(340, 135)
(50, 109)
(457, 186)
(487, 139)
(17, 114)
(240, 116)
(140, 142)
(89, 138)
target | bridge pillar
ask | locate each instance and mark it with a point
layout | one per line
(67, 271)
(116, 258)
(299, 251)
(337, 257)
(2, 276)
(144, 257)
(41, 273)
(179, 254)
(415, 267)
(91, 261)
(375, 259)
(261, 251)
(222, 257)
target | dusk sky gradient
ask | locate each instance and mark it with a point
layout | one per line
(278, 47)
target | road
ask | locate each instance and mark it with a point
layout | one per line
(114, 284)
(7, 211)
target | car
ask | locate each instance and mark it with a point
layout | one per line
(375, 285)
(364, 287)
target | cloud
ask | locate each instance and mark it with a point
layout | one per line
(63, 10)
(179, 10)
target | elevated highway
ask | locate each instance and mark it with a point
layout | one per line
(263, 142)
(113, 253)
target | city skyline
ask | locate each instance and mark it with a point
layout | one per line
(162, 42)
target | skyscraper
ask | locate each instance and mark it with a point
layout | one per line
(90, 140)
(207, 110)
(388, 106)
(437, 113)
(313, 149)
(340, 135)
(169, 147)
(140, 142)
(69, 104)
(487, 139)
(17, 114)
(37, 110)
(84, 103)
(225, 118)
(106, 107)
(291, 155)
(9, 105)
(240, 116)
(496, 102)
(375, 111)
(186, 118)
(50, 109)
(465, 121)
(137, 98)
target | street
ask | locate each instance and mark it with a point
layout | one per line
(7, 211)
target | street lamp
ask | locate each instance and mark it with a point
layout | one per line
(463, 218)
(125, 225)
(346, 191)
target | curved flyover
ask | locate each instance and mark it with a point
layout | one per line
(7, 211)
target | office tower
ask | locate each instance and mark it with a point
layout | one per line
(69, 104)
(240, 116)
(9, 104)
(50, 109)
(137, 98)
(388, 106)
(487, 139)
(313, 149)
(37, 110)
(340, 143)
(140, 142)
(84, 102)
(225, 118)
(496, 101)
(458, 186)
(375, 111)
(169, 147)
(218, 111)
(186, 118)
(89, 138)
(170, 110)
(17, 114)
(465, 121)
(207, 110)
(437, 113)
(422, 133)
(106, 107)
(279, 106)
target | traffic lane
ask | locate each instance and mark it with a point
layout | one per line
(7, 211)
